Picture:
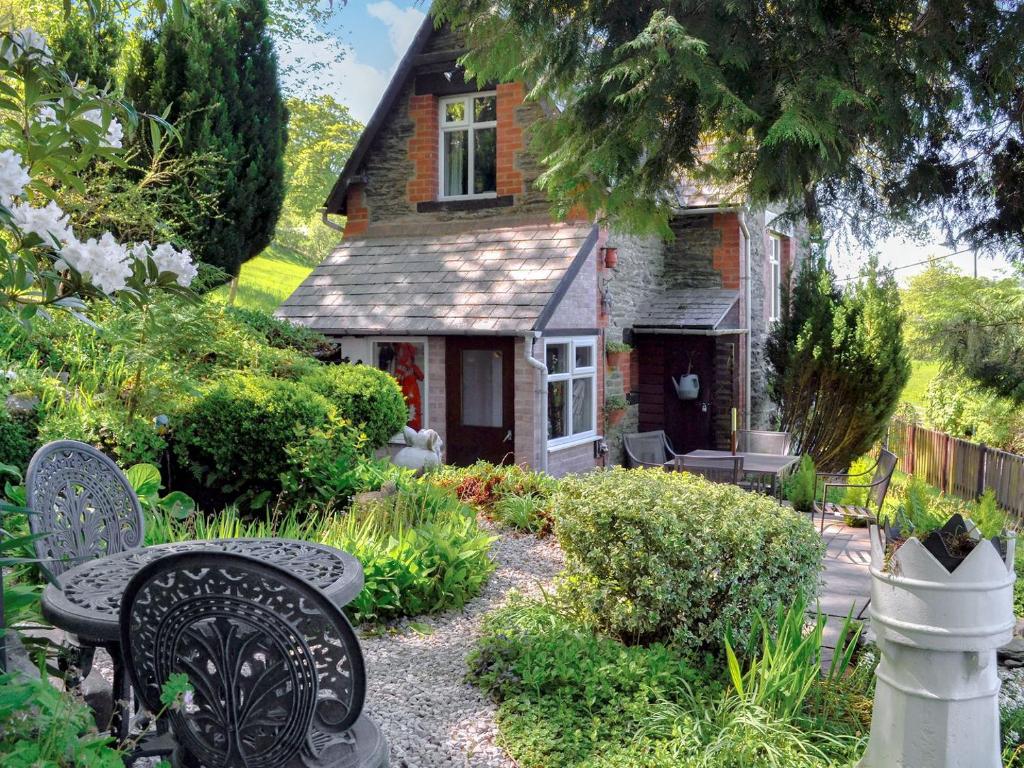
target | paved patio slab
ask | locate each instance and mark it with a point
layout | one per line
(845, 581)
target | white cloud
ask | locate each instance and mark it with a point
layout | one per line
(313, 66)
(354, 83)
(402, 23)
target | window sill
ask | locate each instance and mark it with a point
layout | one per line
(464, 204)
(590, 437)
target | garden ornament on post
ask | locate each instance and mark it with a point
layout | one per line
(422, 449)
(939, 623)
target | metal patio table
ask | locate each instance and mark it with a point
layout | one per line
(760, 464)
(87, 598)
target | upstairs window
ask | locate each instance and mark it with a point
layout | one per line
(775, 280)
(469, 146)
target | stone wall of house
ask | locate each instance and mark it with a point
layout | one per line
(689, 260)
(639, 269)
(400, 169)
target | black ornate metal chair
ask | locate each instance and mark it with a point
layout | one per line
(81, 507)
(877, 488)
(724, 469)
(648, 449)
(276, 668)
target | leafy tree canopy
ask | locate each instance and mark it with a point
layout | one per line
(867, 114)
(321, 136)
(972, 325)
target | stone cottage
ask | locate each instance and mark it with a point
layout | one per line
(516, 337)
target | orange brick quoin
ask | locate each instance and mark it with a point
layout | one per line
(510, 138)
(358, 217)
(423, 149)
(726, 256)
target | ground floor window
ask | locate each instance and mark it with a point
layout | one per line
(572, 388)
(406, 360)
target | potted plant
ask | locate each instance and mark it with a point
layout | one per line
(615, 409)
(941, 605)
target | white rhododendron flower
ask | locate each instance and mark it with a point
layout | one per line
(104, 262)
(49, 222)
(28, 41)
(13, 176)
(168, 259)
(115, 133)
(46, 116)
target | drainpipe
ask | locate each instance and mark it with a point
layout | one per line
(328, 222)
(540, 392)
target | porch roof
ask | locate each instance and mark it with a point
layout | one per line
(483, 281)
(696, 308)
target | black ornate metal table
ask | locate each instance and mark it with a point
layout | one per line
(88, 599)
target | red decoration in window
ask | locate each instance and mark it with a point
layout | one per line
(409, 376)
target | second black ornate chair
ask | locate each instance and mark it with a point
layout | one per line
(81, 507)
(276, 668)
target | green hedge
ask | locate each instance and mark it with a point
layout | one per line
(367, 397)
(235, 435)
(657, 556)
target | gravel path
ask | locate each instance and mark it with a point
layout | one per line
(416, 689)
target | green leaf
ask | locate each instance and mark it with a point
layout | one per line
(734, 668)
(145, 479)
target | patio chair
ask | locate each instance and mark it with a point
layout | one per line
(648, 449)
(724, 469)
(881, 475)
(275, 668)
(81, 507)
(764, 441)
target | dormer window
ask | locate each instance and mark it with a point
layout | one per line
(469, 145)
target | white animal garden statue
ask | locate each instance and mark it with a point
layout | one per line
(422, 449)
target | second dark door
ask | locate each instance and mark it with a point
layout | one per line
(479, 384)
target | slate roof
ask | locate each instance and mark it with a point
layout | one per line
(493, 281)
(697, 308)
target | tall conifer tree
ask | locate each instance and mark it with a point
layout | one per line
(216, 73)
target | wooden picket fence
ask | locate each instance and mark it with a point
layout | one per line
(958, 467)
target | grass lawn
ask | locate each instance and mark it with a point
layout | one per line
(267, 280)
(921, 376)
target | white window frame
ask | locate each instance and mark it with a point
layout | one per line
(399, 437)
(470, 127)
(572, 372)
(775, 278)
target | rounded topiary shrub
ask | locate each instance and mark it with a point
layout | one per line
(367, 397)
(234, 436)
(654, 556)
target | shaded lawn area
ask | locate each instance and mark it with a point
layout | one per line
(267, 280)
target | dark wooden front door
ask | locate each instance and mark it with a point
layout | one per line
(688, 423)
(479, 392)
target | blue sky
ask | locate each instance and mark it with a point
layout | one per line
(372, 35)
